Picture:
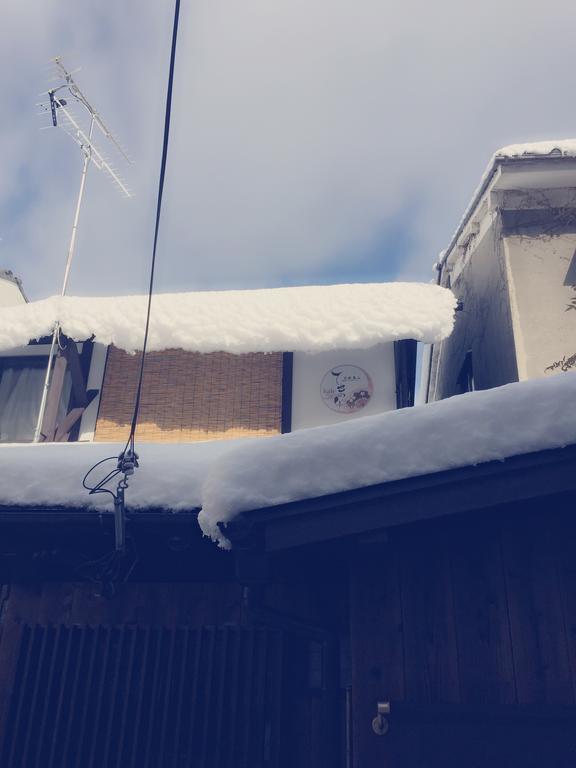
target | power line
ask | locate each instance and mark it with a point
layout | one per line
(131, 438)
(127, 461)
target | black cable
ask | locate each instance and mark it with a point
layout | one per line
(131, 437)
(99, 487)
(127, 461)
(130, 441)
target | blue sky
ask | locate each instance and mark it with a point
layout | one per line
(381, 257)
(312, 141)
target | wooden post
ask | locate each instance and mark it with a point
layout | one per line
(67, 359)
(49, 422)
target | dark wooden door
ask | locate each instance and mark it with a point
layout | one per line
(454, 737)
(468, 630)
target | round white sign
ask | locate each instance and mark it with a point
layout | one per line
(346, 388)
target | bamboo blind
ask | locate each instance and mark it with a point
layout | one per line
(188, 396)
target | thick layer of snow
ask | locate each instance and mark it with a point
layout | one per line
(51, 474)
(310, 318)
(460, 431)
(226, 478)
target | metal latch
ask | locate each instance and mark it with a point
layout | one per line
(380, 724)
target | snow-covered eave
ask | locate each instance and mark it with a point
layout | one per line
(513, 154)
(307, 319)
(231, 478)
(57, 513)
(292, 524)
(400, 502)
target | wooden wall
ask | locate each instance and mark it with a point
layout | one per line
(68, 603)
(472, 619)
(263, 683)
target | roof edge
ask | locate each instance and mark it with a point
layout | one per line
(406, 500)
(9, 276)
(511, 154)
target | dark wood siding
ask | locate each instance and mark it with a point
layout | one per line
(467, 619)
(146, 696)
(166, 674)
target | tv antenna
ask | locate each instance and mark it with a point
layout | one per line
(62, 99)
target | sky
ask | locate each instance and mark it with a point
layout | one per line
(312, 141)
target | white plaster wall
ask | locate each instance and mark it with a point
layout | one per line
(10, 293)
(483, 327)
(542, 275)
(308, 407)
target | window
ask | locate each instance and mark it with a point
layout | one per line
(21, 385)
(465, 381)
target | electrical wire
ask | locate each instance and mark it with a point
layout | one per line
(131, 438)
(127, 460)
(99, 487)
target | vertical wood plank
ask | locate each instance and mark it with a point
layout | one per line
(486, 666)
(202, 604)
(10, 641)
(55, 604)
(88, 607)
(23, 603)
(376, 638)
(431, 653)
(49, 422)
(539, 641)
(563, 532)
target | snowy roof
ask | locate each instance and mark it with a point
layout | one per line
(170, 475)
(460, 431)
(524, 151)
(310, 318)
(227, 478)
(560, 148)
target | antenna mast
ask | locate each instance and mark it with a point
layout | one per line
(63, 116)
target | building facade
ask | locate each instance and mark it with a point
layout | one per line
(340, 355)
(11, 292)
(512, 266)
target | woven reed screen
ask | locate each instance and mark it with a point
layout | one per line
(188, 396)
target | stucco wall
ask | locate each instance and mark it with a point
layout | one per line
(483, 326)
(514, 269)
(10, 293)
(312, 404)
(542, 273)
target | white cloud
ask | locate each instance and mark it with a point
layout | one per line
(299, 128)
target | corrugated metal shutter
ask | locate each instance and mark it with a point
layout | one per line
(145, 696)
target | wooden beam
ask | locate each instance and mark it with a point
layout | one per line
(63, 429)
(405, 364)
(287, 368)
(49, 422)
(67, 359)
(70, 352)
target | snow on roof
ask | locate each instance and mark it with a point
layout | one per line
(309, 318)
(227, 478)
(563, 147)
(459, 431)
(50, 474)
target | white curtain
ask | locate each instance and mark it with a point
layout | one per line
(20, 395)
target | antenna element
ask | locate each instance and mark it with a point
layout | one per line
(62, 116)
